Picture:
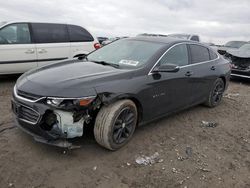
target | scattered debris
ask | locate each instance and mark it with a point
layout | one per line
(160, 160)
(11, 184)
(148, 160)
(128, 164)
(231, 95)
(174, 170)
(180, 158)
(189, 151)
(208, 124)
(94, 168)
(203, 177)
(181, 182)
(204, 169)
(107, 177)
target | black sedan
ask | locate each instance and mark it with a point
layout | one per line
(117, 88)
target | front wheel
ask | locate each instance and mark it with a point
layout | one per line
(115, 124)
(216, 93)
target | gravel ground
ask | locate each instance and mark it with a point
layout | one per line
(187, 153)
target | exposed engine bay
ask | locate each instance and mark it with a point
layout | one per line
(69, 123)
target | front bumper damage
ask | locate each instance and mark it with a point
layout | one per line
(49, 125)
(240, 65)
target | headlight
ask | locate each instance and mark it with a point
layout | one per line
(67, 103)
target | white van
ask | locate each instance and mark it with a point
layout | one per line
(25, 45)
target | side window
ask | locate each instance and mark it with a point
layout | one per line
(177, 55)
(213, 55)
(50, 33)
(198, 53)
(195, 38)
(79, 34)
(15, 34)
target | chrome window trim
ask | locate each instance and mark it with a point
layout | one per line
(188, 65)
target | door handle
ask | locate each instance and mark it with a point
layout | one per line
(213, 68)
(30, 51)
(189, 73)
(41, 51)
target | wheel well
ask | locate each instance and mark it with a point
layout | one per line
(138, 106)
(224, 80)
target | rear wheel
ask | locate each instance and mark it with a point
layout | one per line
(216, 93)
(115, 124)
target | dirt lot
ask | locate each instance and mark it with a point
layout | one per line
(190, 155)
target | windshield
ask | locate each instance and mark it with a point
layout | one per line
(181, 36)
(235, 44)
(126, 53)
(245, 47)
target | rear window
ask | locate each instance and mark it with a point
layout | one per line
(213, 55)
(195, 38)
(79, 34)
(199, 53)
(50, 33)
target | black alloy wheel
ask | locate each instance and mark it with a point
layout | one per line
(115, 124)
(218, 93)
(123, 125)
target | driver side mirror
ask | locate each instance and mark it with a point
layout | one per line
(82, 56)
(166, 68)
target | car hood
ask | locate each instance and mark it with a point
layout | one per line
(67, 79)
(239, 53)
(226, 48)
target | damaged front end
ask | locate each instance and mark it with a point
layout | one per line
(53, 120)
(240, 66)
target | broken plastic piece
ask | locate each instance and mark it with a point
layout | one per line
(146, 160)
(208, 124)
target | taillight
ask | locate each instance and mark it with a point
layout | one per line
(97, 46)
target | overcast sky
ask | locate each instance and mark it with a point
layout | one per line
(215, 21)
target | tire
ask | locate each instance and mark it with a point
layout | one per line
(115, 124)
(216, 93)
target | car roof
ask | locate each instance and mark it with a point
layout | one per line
(166, 40)
(41, 22)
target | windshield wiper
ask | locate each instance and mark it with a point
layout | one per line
(105, 63)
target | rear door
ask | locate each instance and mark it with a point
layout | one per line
(81, 41)
(52, 42)
(17, 52)
(204, 71)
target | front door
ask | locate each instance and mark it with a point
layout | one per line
(17, 52)
(169, 91)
